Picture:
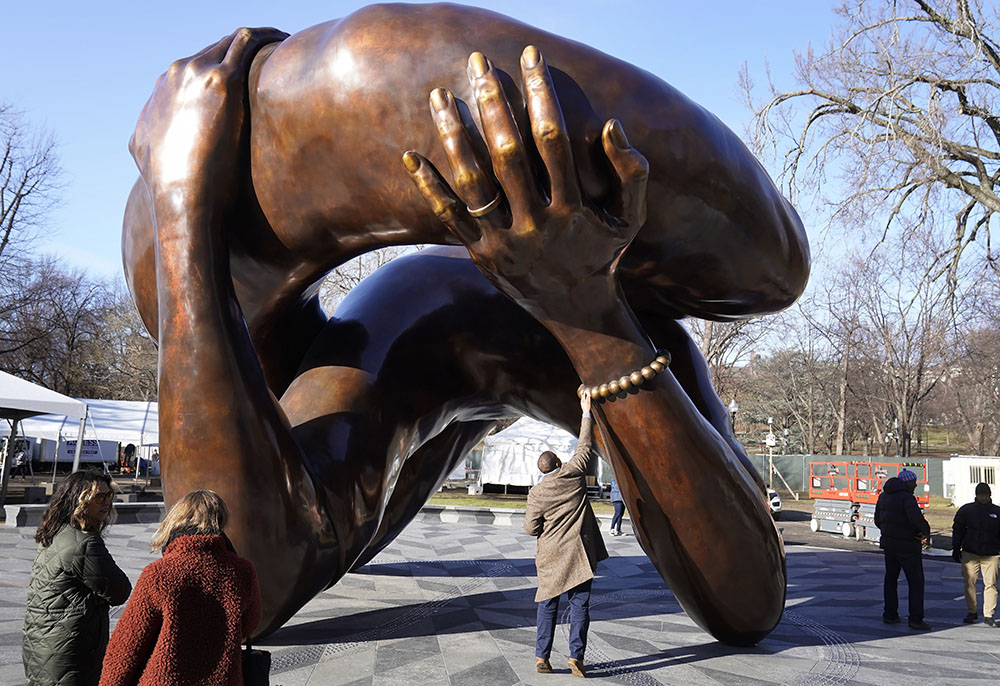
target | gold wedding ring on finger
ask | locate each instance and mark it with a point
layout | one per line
(487, 208)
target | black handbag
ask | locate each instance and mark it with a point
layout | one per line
(256, 666)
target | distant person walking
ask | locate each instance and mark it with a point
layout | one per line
(619, 504)
(74, 582)
(903, 529)
(569, 546)
(191, 609)
(975, 542)
(21, 463)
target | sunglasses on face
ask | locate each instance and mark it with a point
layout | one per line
(102, 498)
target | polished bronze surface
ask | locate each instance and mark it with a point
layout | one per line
(267, 160)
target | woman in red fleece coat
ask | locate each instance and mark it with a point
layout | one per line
(190, 610)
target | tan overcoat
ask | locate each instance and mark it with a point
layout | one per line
(569, 538)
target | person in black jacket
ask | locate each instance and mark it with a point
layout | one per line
(975, 542)
(903, 529)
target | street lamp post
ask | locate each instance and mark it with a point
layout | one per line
(733, 407)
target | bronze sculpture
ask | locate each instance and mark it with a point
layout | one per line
(267, 160)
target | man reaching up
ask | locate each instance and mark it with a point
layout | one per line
(569, 546)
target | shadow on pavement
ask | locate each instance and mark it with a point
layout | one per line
(669, 658)
(793, 516)
(500, 567)
(823, 588)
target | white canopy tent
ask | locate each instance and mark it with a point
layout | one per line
(20, 399)
(125, 421)
(510, 457)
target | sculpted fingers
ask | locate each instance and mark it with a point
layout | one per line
(245, 43)
(633, 173)
(548, 128)
(507, 152)
(213, 53)
(439, 197)
(234, 52)
(474, 186)
(205, 93)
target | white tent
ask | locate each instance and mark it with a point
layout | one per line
(510, 457)
(20, 399)
(125, 421)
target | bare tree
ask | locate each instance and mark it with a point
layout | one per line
(51, 333)
(908, 319)
(27, 293)
(124, 357)
(75, 335)
(973, 387)
(29, 178)
(793, 385)
(729, 345)
(69, 309)
(342, 280)
(868, 347)
(834, 313)
(903, 106)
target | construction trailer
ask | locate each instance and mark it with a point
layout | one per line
(962, 473)
(844, 495)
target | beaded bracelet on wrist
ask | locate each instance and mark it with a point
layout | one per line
(632, 380)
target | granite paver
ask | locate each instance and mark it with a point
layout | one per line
(451, 603)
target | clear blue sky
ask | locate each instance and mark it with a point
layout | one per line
(83, 70)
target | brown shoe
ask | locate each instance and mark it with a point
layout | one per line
(576, 667)
(542, 666)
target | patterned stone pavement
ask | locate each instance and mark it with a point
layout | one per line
(451, 603)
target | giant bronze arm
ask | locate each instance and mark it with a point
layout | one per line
(554, 250)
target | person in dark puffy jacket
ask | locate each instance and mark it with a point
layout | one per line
(903, 528)
(74, 582)
(191, 609)
(975, 542)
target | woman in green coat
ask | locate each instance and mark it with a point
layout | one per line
(74, 582)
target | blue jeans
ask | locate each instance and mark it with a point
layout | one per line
(579, 622)
(616, 519)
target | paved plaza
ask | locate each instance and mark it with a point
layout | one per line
(451, 603)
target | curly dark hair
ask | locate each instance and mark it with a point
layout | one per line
(69, 501)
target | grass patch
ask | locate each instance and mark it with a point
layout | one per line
(486, 500)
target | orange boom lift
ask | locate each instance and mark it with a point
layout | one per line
(845, 493)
